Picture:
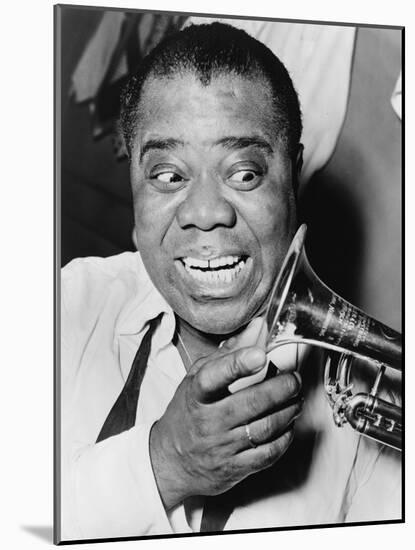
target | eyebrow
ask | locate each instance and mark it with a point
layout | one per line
(229, 142)
(235, 143)
(166, 144)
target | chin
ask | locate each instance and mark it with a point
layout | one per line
(222, 325)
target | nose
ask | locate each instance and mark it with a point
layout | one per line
(205, 207)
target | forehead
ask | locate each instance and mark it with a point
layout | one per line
(183, 108)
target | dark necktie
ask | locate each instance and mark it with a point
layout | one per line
(123, 413)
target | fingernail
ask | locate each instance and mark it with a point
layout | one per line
(263, 334)
(257, 357)
(290, 435)
(254, 328)
(298, 376)
(228, 343)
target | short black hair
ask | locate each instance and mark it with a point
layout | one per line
(211, 50)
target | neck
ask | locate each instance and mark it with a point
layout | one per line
(197, 344)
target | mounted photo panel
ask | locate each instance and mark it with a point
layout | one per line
(228, 200)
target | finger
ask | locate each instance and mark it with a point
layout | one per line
(216, 375)
(261, 342)
(252, 335)
(254, 402)
(264, 456)
(268, 428)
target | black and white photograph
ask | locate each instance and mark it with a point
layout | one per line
(229, 312)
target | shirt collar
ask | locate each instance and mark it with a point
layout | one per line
(145, 304)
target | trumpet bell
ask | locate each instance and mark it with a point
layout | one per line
(302, 309)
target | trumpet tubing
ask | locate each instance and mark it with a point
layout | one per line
(302, 309)
(375, 418)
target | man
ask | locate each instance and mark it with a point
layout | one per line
(160, 411)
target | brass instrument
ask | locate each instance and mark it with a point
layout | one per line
(303, 310)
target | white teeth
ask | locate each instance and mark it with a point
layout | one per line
(194, 262)
(212, 264)
(230, 260)
(215, 276)
(215, 263)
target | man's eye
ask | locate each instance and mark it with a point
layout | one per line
(243, 176)
(245, 179)
(167, 180)
(167, 177)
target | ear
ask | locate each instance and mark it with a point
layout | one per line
(297, 164)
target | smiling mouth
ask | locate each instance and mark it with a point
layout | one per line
(219, 271)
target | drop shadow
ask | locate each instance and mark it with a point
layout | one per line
(43, 532)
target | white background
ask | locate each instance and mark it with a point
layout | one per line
(26, 305)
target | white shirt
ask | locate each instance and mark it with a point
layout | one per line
(328, 475)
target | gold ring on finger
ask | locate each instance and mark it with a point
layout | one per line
(249, 437)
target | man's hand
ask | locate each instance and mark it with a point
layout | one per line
(200, 445)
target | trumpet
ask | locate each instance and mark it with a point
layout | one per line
(303, 310)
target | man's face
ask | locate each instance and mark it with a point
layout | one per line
(213, 198)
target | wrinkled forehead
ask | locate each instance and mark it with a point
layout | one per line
(226, 80)
(182, 103)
